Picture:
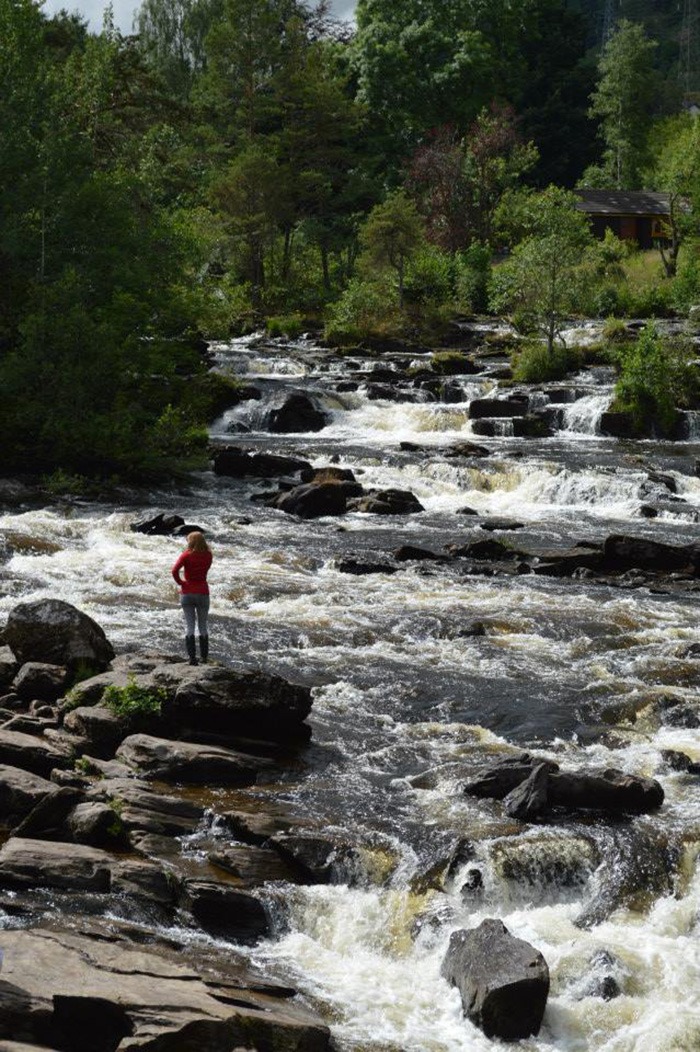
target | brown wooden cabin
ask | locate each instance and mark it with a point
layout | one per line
(632, 215)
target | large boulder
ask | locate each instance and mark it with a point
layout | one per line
(8, 667)
(34, 753)
(297, 414)
(229, 912)
(314, 500)
(241, 463)
(610, 790)
(50, 630)
(503, 981)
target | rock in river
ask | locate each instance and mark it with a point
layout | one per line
(298, 414)
(503, 981)
(171, 761)
(50, 630)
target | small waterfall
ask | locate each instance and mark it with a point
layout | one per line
(583, 416)
(691, 425)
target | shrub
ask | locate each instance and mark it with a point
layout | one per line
(656, 377)
(473, 273)
(289, 325)
(428, 278)
(535, 365)
(615, 331)
(133, 701)
(361, 310)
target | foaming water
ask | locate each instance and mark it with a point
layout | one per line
(410, 698)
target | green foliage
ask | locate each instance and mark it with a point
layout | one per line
(656, 377)
(534, 364)
(473, 274)
(623, 102)
(289, 325)
(391, 237)
(133, 701)
(541, 279)
(360, 311)
(429, 278)
(615, 331)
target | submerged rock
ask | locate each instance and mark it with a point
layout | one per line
(503, 981)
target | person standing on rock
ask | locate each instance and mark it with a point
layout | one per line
(194, 564)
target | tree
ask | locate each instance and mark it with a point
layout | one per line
(392, 235)
(677, 172)
(539, 280)
(623, 103)
(172, 34)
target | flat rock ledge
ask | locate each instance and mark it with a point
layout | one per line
(58, 987)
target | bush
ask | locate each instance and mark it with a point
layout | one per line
(686, 287)
(363, 309)
(472, 279)
(534, 365)
(133, 701)
(289, 325)
(429, 278)
(656, 377)
(615, 331)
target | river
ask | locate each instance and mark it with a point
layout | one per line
(407, 702)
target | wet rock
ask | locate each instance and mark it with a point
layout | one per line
(617, 425)
(656, 481)
(675, 760)
(490, 550)
(40, 680)
(50, 630)
(298, 414)
(467, 511)
(321, 859)
(161, 525)
(567, 563)
(314, 500)
(35, 754)
(388, 502)
(61, 988)
(170, 761)
(234, 462)
(328, 474)
(529, 799)
(412, 553)
(8, 667)
(503, 981)
(672, 712)
(623, 553)
(467, 449)
(548, 866)
(604, 977)
(501, 524)
(501, 778)
(481, 408)
(362, 569)
(227, 912)
(531, 426)
(257, 827)
(256, 865)
(610, 790)
(20, 792)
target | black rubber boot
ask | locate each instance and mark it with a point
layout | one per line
(204, 648)
(191, 649)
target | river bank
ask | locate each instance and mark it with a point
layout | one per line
(410, 697)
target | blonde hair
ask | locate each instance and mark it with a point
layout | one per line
(196, 542)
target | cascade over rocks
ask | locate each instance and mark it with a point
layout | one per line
(502, 980)
(54, 632)
(235, 462)
(299, 413)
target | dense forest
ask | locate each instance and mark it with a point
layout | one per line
(233, 164)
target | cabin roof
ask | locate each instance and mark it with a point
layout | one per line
(624, 203)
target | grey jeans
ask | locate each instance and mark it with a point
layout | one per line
(195, 607)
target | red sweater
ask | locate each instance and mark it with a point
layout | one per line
(194, 565)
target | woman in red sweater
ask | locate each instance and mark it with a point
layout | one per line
(194, 593)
